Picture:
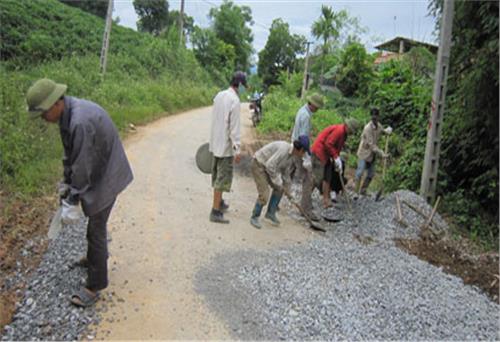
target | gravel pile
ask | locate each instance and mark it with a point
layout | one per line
(374, 220)
(45, 312)
(352, 283)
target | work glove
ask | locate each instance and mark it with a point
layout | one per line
(388, 130)
(338, 164)
(63, 190)
(307, 162)
(70, 213)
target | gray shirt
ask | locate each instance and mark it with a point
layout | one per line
(277, 159)
(302, 123)
(95, 165)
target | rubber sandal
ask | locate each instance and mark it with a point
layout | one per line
(84, 298)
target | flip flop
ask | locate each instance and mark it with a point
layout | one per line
(84, 298)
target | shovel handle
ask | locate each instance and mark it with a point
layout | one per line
(311, 223)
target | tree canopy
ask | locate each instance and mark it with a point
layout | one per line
(327, 28)
(280, 52)
(96, 7)
(230, 24)
(153, 15)
(213, 53)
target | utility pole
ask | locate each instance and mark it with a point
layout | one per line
(305, 81)
(105, 38)
(181, 21)
(433, 146)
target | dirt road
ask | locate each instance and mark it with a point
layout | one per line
(161, 234)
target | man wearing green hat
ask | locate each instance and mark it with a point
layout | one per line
(304, 170)
(96, 170)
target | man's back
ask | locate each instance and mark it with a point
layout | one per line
(225, 129)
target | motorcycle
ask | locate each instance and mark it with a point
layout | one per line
(256, 107)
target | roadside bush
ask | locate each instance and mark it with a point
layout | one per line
(146, 78)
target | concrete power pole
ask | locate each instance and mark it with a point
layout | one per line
(181, 21)
(105, 38)
(305, 81)
(433, 146)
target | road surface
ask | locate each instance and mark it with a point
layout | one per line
(161, 234)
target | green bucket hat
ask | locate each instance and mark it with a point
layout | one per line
(316, 100)
(42, 95)
(353, 124)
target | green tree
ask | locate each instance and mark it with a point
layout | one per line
(187, 25)
(328, 28)
(230, 24)
(96, 7)
(280, 52)
(153, 15)
(214, 54)
(355, 70)
(470, 129)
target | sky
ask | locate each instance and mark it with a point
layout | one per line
(384, 19)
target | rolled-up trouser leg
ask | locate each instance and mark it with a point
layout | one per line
(97, 251)
(307, 188)
(261, 181)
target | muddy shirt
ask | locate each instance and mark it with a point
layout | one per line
(277, 159)
(369, 139)
(95, 165)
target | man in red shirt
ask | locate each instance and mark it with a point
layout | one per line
(326, 150)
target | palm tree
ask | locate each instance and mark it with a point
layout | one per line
(327, 28)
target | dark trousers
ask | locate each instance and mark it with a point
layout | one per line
(97, 251)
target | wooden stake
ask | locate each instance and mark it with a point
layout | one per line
(429, 220)
(418, 211)
(398, 206)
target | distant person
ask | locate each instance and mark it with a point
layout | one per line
(96, 170)
(225, 142)
(326, 151)
(368, 151)
(303, 170)
(271, 167)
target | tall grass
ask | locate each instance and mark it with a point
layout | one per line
(30, 150)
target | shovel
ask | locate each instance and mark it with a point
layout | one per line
(314, 225)
(379, 193)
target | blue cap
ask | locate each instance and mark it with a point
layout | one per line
(304, 142)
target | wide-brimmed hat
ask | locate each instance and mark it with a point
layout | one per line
(43, 94)
(316, 100)
(353, 124)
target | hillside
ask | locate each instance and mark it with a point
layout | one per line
(146, 78)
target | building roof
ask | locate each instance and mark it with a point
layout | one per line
(393, 45)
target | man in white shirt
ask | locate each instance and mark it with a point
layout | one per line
(225, 142)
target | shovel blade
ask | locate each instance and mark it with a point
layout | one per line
(317, 226)
(55, 225)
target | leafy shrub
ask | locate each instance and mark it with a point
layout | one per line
(146, 78)
(355, 70)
